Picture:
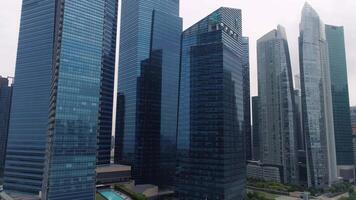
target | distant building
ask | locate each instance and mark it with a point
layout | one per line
(247, 96)
(211, 141)
(278, 125)
(317, 109)
(255, 128)
(5, 105)
(340, 101)
(259, 171)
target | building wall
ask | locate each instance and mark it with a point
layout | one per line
(107, 83)
(316, 100)
(247, 96)
(150, 36)
(31, 93)
(5, 104)
(255, 128)
(210, 129)
(277, 104)
(340, 94)
(76, 97)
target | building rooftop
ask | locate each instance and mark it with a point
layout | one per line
(113, 168)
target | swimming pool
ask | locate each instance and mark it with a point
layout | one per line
(110, 195)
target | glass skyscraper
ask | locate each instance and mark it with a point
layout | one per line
(277, 105)
(148, 89)
(255, 128)
(211, 149)
(81, 97)
(317, 110)
(340, 99)
(25, 155)
(247, 98)
(5, 104)
(62, 99)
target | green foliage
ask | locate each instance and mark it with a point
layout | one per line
(352, 197)
(270, 185)
(132, 194)
(257, 196)
(99, 197)
(341, 187)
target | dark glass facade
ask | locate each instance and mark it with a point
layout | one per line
(247, 97)
(211, 149)
(277, 105)
(5, 104)
(255, 128)
(340, 94)
(80, 97)
(25, 154)
(107, 83)
(148, 89)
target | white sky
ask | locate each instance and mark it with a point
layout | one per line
(259, 17)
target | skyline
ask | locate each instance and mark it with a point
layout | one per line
(339, 13)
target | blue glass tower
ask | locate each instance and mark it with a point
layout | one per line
(5, 104)
(26, 145)
(211, 145)
(148, 89)
(340, 99)
(80, 97)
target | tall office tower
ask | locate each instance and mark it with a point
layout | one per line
(277, 104)
(211, 110)
(80, 103)
(247, 97)
(25, 155)
(104, 139)
(340, 101)
(148, 89)
(317, 110)
(5, 104)
(255, 126)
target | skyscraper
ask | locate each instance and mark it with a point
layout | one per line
(277, 104)
(25, 155)
(148, 89)
(211, 110)
(317, 110)
(62, 97)
(340, 101)
(353, 124)
(255, 128)
(247, 97)
(5, 104)
(81, 97)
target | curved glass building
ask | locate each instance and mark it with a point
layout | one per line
(317, 110)
(277, 105)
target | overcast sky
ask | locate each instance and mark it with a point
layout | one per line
(258, 16)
